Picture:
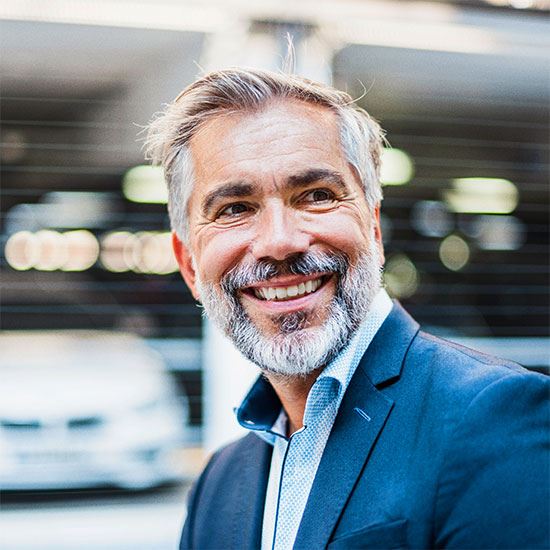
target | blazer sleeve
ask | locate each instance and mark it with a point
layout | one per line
(493, 490)
(186, 540)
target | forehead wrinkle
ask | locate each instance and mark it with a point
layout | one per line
(256, 124)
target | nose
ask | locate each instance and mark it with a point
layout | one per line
(279, 234)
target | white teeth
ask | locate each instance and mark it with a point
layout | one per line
(281, 293)
(292, 290)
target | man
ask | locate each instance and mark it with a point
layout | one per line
(365, 432)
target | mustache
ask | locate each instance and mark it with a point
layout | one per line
(307, 263)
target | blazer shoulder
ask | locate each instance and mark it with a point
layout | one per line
(486, 422)
(466, 354)
(495, 467)
(460, 367)
(445, 378)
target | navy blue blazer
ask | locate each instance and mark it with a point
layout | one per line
(453, 454)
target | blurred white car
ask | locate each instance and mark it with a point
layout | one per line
(86, 409)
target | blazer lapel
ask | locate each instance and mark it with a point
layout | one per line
(361, 418)
(247, 514)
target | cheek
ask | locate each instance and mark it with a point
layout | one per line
(218, 253)
(345, 231)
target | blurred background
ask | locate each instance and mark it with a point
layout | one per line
(108, 405)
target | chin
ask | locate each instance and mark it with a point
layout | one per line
(295, 337)
(293, 346)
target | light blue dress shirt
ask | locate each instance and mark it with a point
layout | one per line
(295, 459)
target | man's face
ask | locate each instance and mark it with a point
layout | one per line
(278, 220)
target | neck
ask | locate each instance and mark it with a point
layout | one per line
(293, 392)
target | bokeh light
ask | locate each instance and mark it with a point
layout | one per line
(482, 196)
(48, 250)
(156, 253)
(142, 252)
(112, 256)
(22, 250)
(53, 248)
(499, 232)
(397, 167)
(431, 219)
(145, 184)
(82, 248)
(401, 276)
(454, 252)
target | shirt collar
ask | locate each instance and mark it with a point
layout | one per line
(260, 410)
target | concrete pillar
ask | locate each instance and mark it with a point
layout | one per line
(227, 378)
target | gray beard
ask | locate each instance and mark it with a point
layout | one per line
(297, 349)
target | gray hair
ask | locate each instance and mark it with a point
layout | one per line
(236, 90)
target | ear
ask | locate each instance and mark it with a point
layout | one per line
(378, 234)
(185, 262)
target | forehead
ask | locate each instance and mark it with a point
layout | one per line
(281, 138)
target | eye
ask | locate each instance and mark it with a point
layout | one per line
(319, 195)
(232, 210)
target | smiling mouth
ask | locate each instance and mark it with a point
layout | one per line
(291, 292)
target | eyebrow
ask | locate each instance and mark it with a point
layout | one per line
(236, 189)
(242, 189)
(317, 174)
